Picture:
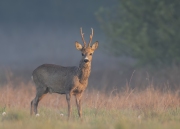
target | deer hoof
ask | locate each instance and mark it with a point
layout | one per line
(61, 114)
(37, 115)
(4, 113)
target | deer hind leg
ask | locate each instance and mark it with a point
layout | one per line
(39, 95)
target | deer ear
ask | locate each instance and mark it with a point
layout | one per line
(95, 45)
(78, 46)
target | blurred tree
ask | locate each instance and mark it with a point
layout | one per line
(146, 30)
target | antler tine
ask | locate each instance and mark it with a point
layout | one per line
(82, 36)
(91, 36)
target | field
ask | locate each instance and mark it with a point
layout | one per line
(128, 108)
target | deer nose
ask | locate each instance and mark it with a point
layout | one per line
(86, 60)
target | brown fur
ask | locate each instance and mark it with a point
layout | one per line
(50, 78)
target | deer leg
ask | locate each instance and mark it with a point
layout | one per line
(35, 101)
(68, 98)
(78, 103)
(32, 107)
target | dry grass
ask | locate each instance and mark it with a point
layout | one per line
(148, 99)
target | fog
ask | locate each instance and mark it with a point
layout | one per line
(34, 33)
(23, 49)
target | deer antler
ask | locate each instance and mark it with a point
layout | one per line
(82, 36)
(91, 36)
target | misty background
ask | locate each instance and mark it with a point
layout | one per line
(37, 32)
(44, 31)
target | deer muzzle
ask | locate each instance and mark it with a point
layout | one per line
(86, 60)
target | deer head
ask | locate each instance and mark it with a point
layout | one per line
(87, 51)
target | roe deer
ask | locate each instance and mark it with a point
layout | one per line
(65, 80)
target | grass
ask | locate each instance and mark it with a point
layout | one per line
(129, 109)
(106, 119)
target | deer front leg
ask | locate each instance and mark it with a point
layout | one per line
(78, 103)
(68, 98)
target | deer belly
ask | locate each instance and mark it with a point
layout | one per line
(57, 89)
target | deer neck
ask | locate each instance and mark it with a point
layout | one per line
(84, 72)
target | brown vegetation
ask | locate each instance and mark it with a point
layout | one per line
(147, 99)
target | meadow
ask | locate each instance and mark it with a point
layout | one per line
(148, 108)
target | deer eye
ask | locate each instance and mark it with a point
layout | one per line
(82, 54)
(90, 54)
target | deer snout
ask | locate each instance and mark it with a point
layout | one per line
(86, 60)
